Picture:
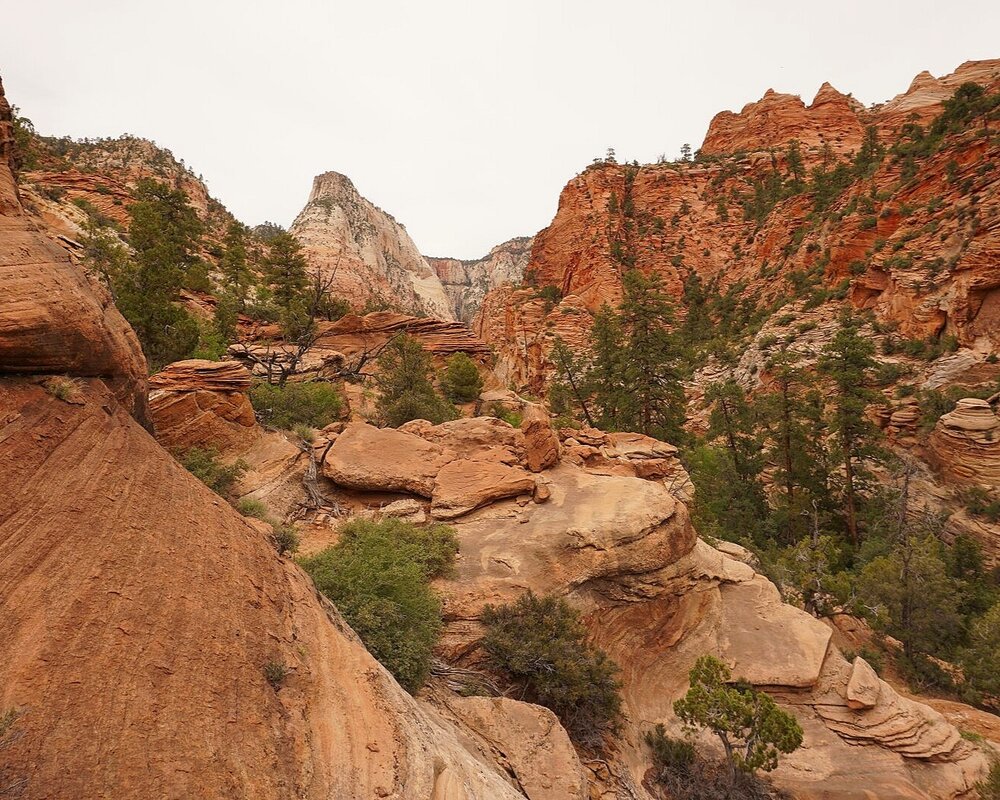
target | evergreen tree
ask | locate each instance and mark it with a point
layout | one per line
(461, 380)
(870, 154)
(235, 265)
(165, 233)
(848, 361)
(796, 167)
(570, 383)
(652, 401)
(285, 268)
(405, 385)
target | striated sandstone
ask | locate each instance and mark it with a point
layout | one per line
(199, 403)
(464, 485)
(54, 318)
(965, 444)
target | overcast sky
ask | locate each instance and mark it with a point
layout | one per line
(462, 119)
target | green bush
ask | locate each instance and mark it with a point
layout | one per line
(406, 391)
(989, 787)
(670, 755)
(511, 417)
(379, 576)
(275, 672)
(312, 403)
(540, 644)
(205, 465)
(252, 507)
(461, 381)
(285, 538)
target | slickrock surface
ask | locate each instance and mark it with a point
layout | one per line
(467, 282)
(198, 403)
(54, 318)
(368, 254)
(138, 611)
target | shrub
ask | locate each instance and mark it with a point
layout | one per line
(540, 644)
(305, 432)
(511, 417)
(275, 672)
(285, 538)
(312, 403)
(205, 465)
(252, 507)
(62, 388)
(670, 755)
(379, 576)
(461, 380)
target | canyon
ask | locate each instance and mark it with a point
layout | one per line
(142, 612)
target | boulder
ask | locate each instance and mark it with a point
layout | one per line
(485, 438)
(384, 460)
(541, 442)
(864, 686)
(464, 485)
(534, 746)
(203, 404)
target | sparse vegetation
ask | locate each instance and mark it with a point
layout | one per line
(379, 576)
(540, 644)
(275, 673)
(63, 388)
(204, 463)
(310, 403)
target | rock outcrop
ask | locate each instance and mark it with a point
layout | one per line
(54, 317)
(467, 282)
(621, 548)
(919, 253)
(965, 444)
(203, 403)
(369, 257)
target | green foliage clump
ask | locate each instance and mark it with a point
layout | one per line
(461, 381)
(980, 503)
(379, 576)
(540, 644)
(204, 463)
(751, 727)
(313, 403)
(405, 385)
(671, 756)
(252, 507)
(275, 673)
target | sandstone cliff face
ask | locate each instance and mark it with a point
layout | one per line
(54, 318)
(466, 283)
(920, 252)
(370, 256)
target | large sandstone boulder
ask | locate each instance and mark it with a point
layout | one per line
(54, 317)
(541, 441)
(965, 444)
(464, 485)
(480, 438)
(203, 403)
(384, 460)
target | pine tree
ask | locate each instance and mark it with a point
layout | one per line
(405, 385)
(235, 266)
(285, 268)
(165, 234)
(570, 382)
(796, 168)
(848, 362)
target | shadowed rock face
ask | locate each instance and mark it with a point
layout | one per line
(54, 318)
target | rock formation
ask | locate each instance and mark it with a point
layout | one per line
(203, 403)
(54, 318)
(921, 253)
(467, 282)
(369, 256)
(965, 444)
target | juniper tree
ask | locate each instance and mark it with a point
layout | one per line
(285, 268)
(751, 727)
(405, 385)
(237, 274)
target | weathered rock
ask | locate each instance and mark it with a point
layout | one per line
(384, 459)
(864, 687)
(203, 404)
(540, 440)
(366, 254)
(464, 485)
(467, 282)
(531, 744)
(965, 444)
(130, 585)
(54, 318)
(478, 438)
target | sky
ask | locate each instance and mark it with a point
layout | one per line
(463, 120)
